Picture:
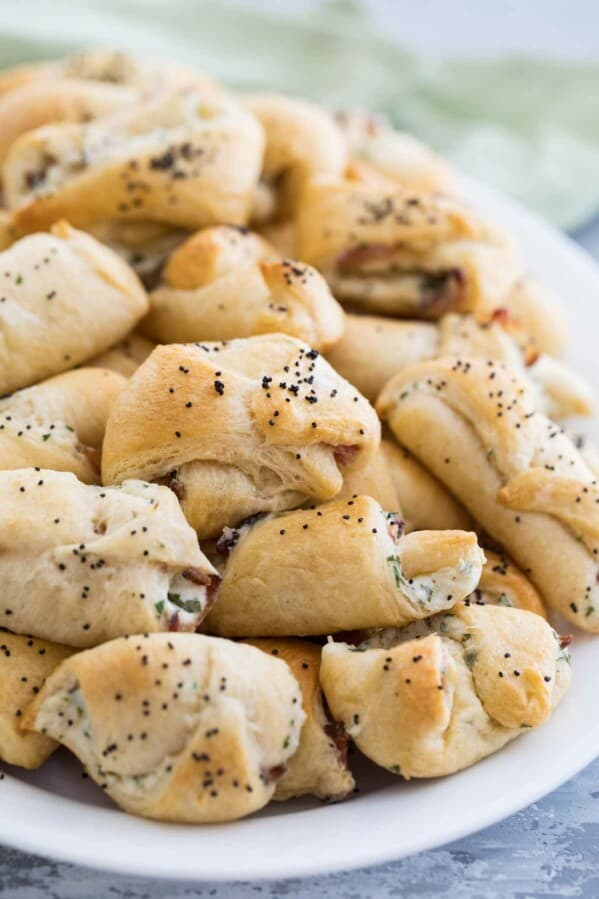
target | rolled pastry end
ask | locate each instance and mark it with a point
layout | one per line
(433, 699)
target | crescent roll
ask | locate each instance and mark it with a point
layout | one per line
(63, 298)
(81, 88)
(226, 282)
(473, 424)
(540, 314)
(340, 567)
(373, 349)
(503, 584)
(42, 102)
(432, 704)
(106, 66)
(240, 427)
(372, 139)
(302, 140)
(397, 481)
(391, 250)
(425, 502)
(175, 727)
(178, 157)
(81, 564)
(319, 765)
(59, 423)
(25, 664)
(376, 479)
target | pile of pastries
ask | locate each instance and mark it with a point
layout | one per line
(282, 461)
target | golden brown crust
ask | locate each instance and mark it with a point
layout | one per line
(226, 282)
(473, 424)
(503, 584)
(106, 66)
(248, 425)
(279, 580)
(425, 503)
(395, 154)
(81, 564)
(390, 250)
(373, 349)
(25, 664)
(376, 480)
(540, 314)
(319, 765)
(46, 328)
(59, 423)
(39, 103)
(302, 140)
(444, 693)
(82, 88)
(176, 727)
(178, 157)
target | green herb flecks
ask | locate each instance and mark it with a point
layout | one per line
(186, 605)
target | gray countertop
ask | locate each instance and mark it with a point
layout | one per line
(550, 849)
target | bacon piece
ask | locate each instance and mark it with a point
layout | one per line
(336, 732)
(345, 454)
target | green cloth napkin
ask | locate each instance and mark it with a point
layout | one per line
(527, 126)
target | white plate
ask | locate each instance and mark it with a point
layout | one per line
(55, 813)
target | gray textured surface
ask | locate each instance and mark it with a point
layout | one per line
(551, 849)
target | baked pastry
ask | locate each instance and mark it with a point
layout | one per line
(105, 66)
(425, 706)
(302, 140)
(239, 427)
(81, 88)
(226, 282)
(376, 479)
(424, 501)
(59, 423)
(178, 157)
(503, 584)
(25, 664)
(372, 139)
(126, 356)
(373, 349)
(43, 102)
(81, 564)
(473, 424)
(8, 231)
(391, 250)
(398, 482)
(145, 246)
(176, 727)
(46, 326)
(540, 314)
(342, 566)
(319, 765)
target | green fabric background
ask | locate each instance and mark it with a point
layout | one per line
(529, 127)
